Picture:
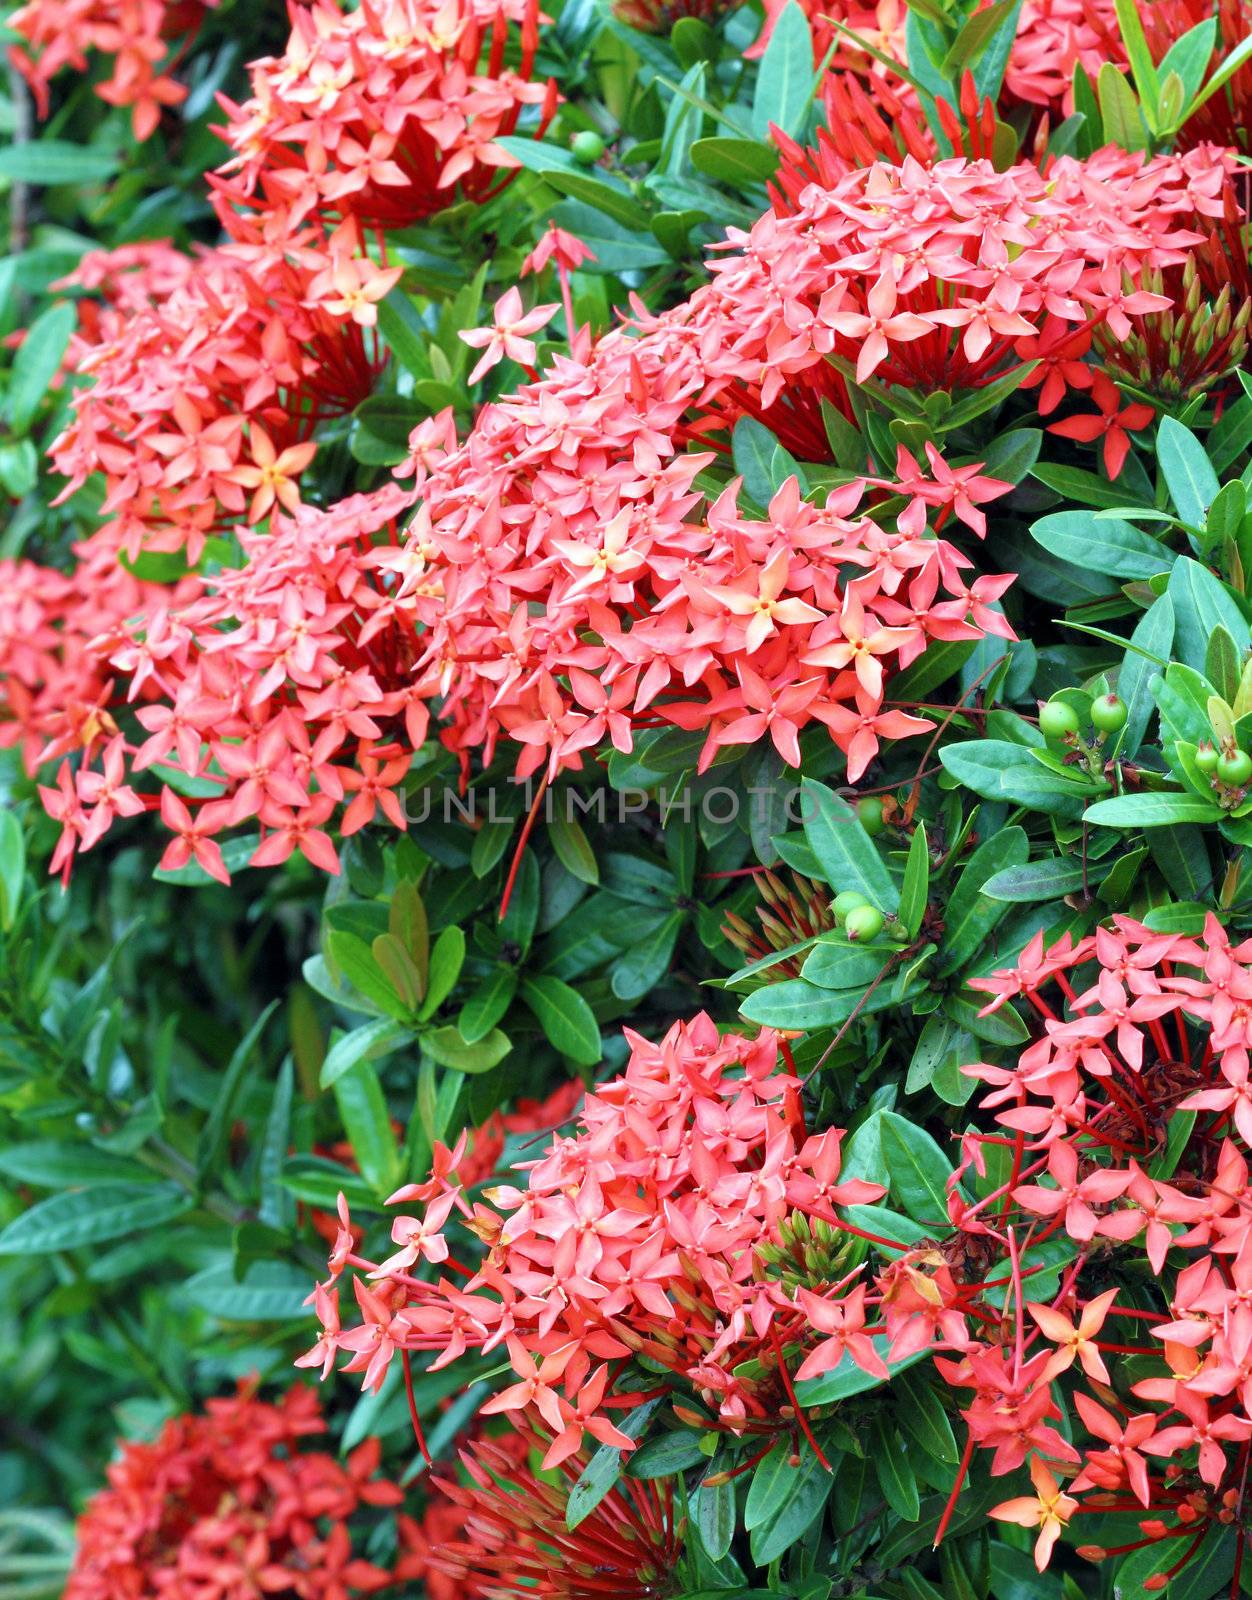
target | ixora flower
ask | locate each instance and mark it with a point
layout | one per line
(232, 1503)
(1122, 1182)
(287, 683)
(187, 401)
(575, 493)
(137, 33)
(386, 112)
(688, 1221)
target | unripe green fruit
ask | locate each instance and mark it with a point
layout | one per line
(1108, 713)
(587, 147)
(1234, 771)
(1056, 720)
(1206, 757)
(848, 900)
(864, 923)
(870, 814)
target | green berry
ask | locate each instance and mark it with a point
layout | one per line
(1108, 713)
(870, 814)
(1235, 770)
(587, 147)
(848, 900)
(864, 923)
(1057, 720)
(1206, 757)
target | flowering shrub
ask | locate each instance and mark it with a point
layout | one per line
(627, 629)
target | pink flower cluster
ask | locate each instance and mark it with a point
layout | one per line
(137, 33)
(209, 375)
(56, 688)
(644, 1232)
(385, 112)
(286, 682)
(1129, 1124)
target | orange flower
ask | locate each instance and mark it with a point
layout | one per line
(1047, 1509)
(273, 473)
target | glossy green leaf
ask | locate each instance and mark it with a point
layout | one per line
(80, 1217)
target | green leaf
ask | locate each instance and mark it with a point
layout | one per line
(848, 857)
(666, 1454)
(1241, 53)
(891, 1464)
(742, 163)
(784, 84)
(616, 248)
(60, 1163)
(972, 913)
(36, 362)
(644, 965)
(941, 1051)
(565, 1018)
(1104, 545)
(1050, 879)
(55, 161)
(1123, 124)
(995, 768)
(275, 1209)
(753, 448)
(487, 1004)
(1139, 56)
(367, 1123)
(915, 890)
(12, 867)
(406, 335)
(1153, 637)
(836, 964)
(1150, 811)
(450, 1048)
(1087, 488)
(1187, 471)
(923, 1418)
(572, 847)
(366, 1043)
(803, 1006)
(213, 1138)
(714, 1516)
(447, 957)
(1188, 57)
(974, 35)
(358, 963)
(917, 1168)
(267, 1291)
(1202, 603)
(804, 1490)
(79, 1217)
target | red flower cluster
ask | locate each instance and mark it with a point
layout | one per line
(210, 374)
(229, 1505)
(285, 683)
(1127, 1129)
(137, 33)
(56, 688)
(385, 113)
(662, 1227)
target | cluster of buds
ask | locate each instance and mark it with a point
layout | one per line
(1172, 355)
